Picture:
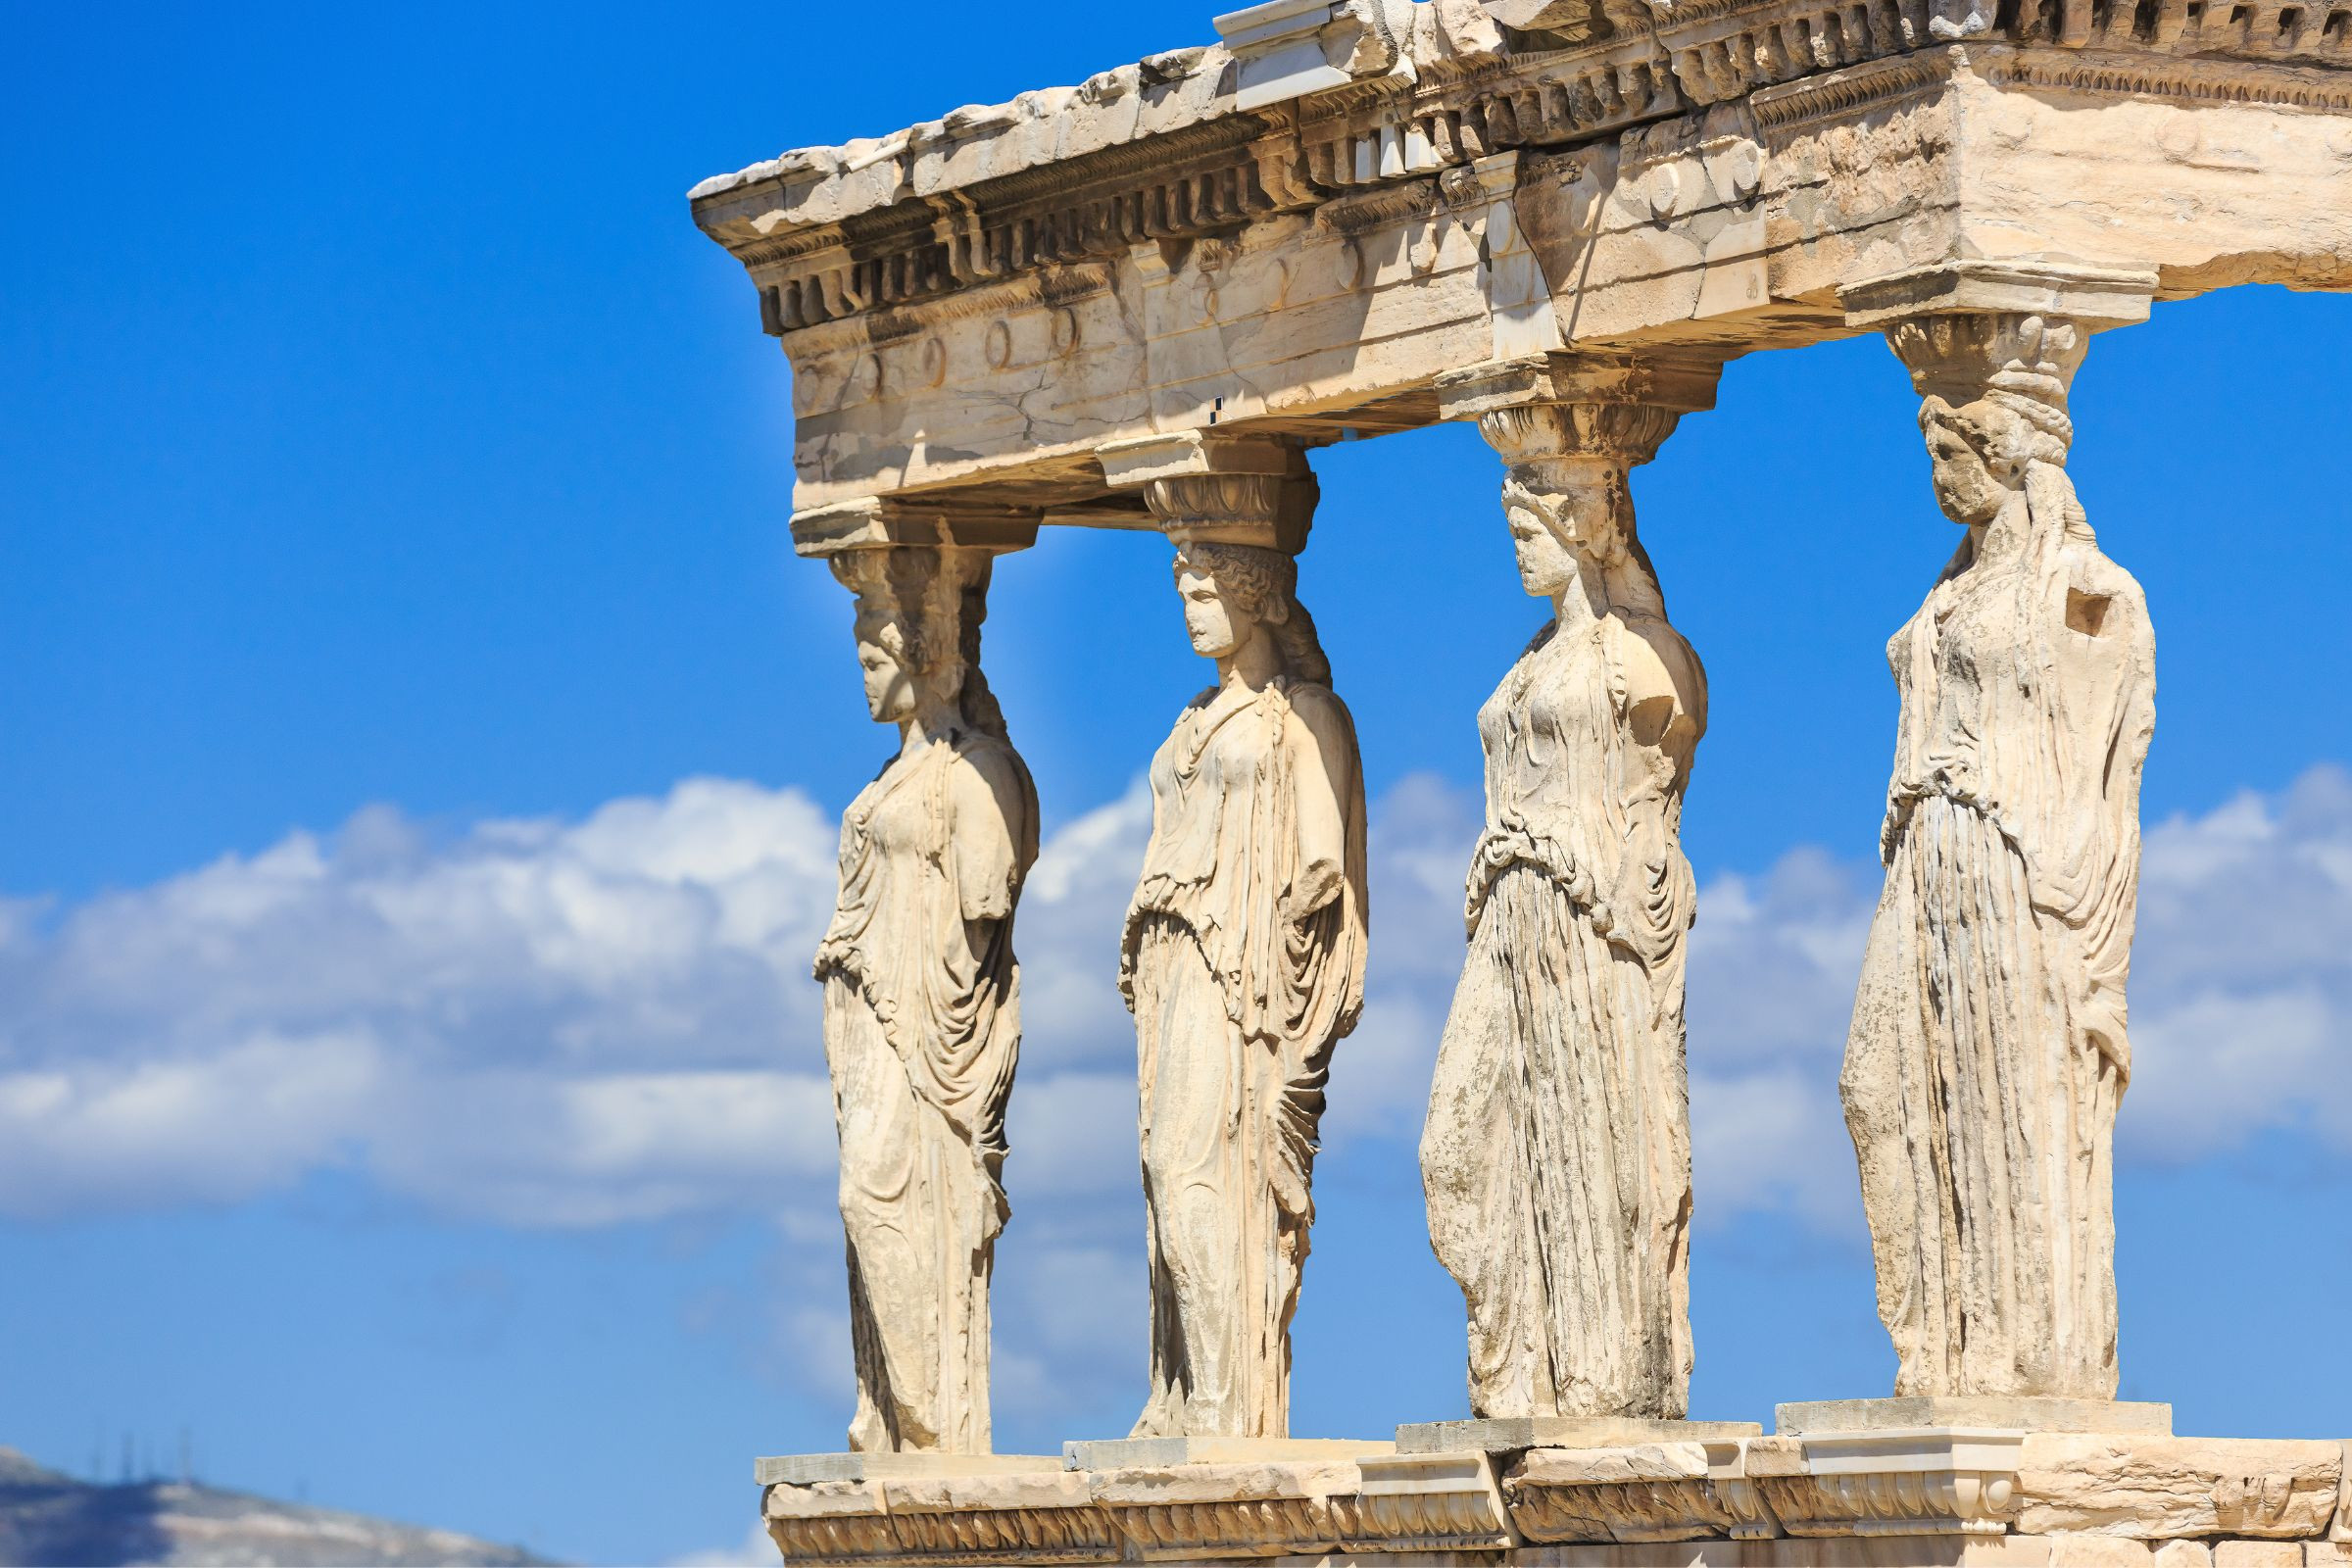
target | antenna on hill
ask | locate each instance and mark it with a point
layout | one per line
(187, 1463)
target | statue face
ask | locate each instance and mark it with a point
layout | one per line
(1210, 617)
(888, 684)
(1545, 568)
(1965, 486)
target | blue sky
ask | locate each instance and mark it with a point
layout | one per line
(406, 1066)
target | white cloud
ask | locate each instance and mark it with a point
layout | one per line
(2241, 980)
(2241, 1002)
(536, 1022)
(756, 1550)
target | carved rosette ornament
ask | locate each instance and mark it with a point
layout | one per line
(1243, 954)
(922, 992)
(1556, 1156)
(1989, 1052)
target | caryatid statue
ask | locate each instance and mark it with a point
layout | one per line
(1243, 956)
(1556, 1156)
(1987, 1050)
(922, 999)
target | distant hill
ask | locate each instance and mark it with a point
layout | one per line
(49, 1520)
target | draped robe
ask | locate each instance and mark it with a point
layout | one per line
(1238, 996)
(1987, 1051)
(1556, 1156)
(923, 1033)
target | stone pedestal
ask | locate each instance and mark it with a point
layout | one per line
(1507, 1434)
(1128, 1453)
(807, 1469)
(2005, 1414)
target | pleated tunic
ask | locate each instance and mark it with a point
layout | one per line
(1556, 1158)
(922, 1034)
(1989, 1052)
(1238, 996)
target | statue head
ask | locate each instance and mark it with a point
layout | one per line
(1992, 389)
(1981, 451)
(886, 655)
(1566, 514)
(1234, 594)
(920, 610)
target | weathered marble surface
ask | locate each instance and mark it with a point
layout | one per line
(980, 301)
(1504, 1434)
(1242, 959)
(808, 1469)
(1556, 1155)
(1136, 304)
(1923, 1499)
(1988, 1051)
(2132, 1418)
(2178, 1486)
(923, 1001)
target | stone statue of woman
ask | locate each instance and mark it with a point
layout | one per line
(1244, 963)
(1556, 1158)
(922, 1001)
(1987, 1050)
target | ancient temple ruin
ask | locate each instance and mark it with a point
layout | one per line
(1142, 303)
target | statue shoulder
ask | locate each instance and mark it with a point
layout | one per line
(2090, 569)
(2103, 598)
(1660, 664)
(983, 771)
(1321, 708)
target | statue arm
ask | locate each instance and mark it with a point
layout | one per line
(987, 818)
(2107, 631)
(1322, 782)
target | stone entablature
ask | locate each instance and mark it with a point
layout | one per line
(985, 299)
(1925, 1495)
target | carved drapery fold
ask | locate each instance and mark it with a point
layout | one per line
(1244, 951)
(1556, 1158)
(1987, 1051)
(922, 992)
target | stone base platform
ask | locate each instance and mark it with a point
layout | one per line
(1890, 1497)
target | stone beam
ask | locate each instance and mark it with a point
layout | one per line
(1296, 231)
(872, 522)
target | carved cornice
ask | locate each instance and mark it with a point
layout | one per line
(1364, 152)
(1918, 1483)
(1056, 286)
(1362, 212)
(2059, 1498)
(1666, 1491)
(2149, 73)
(1846, 92)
